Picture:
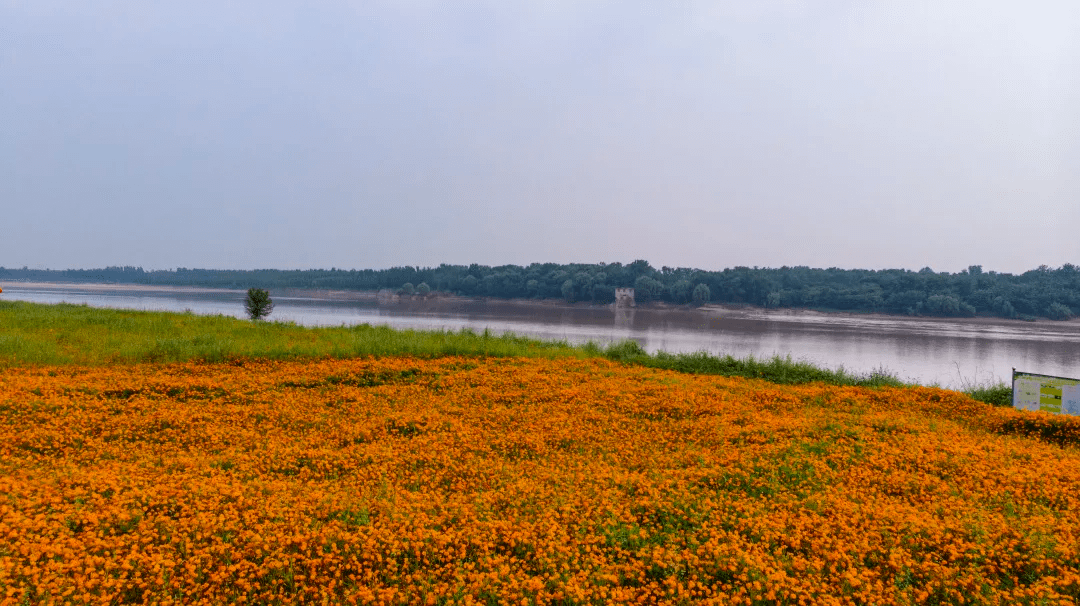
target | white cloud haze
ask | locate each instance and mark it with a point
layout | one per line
(699, 134)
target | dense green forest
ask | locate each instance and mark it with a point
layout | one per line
(1044, 292)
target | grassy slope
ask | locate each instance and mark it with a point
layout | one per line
(33, 334)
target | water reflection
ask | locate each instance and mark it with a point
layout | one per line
(924, 350)
(624, 318)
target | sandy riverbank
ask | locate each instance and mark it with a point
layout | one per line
(438, 302)
(751, 312)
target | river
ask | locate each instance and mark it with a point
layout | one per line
(950, 353)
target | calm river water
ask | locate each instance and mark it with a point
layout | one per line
(929, 351)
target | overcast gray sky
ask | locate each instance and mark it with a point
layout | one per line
(697, 134)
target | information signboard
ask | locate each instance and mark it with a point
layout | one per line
(1058, 395)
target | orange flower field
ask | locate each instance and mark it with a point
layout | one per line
(521, 481)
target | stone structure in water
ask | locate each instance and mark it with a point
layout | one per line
(624, 297)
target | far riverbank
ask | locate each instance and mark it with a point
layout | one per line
(442, 302)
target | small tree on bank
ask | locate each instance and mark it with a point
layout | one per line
(258, 304)
(701, 294)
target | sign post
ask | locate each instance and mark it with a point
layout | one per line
(1058, 395)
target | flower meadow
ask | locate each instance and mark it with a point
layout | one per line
(399, 480)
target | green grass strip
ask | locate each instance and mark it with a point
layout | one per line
(61, 334)
(32, 333)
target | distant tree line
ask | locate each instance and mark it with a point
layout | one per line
(1043, 292)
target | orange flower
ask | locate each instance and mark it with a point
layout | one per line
(399, 480)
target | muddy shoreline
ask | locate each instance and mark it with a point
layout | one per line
(435, 301)
(438, 302)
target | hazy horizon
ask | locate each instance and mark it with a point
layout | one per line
(368, 135)
(983, 268)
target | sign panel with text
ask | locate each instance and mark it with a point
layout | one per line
(1058, 395)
